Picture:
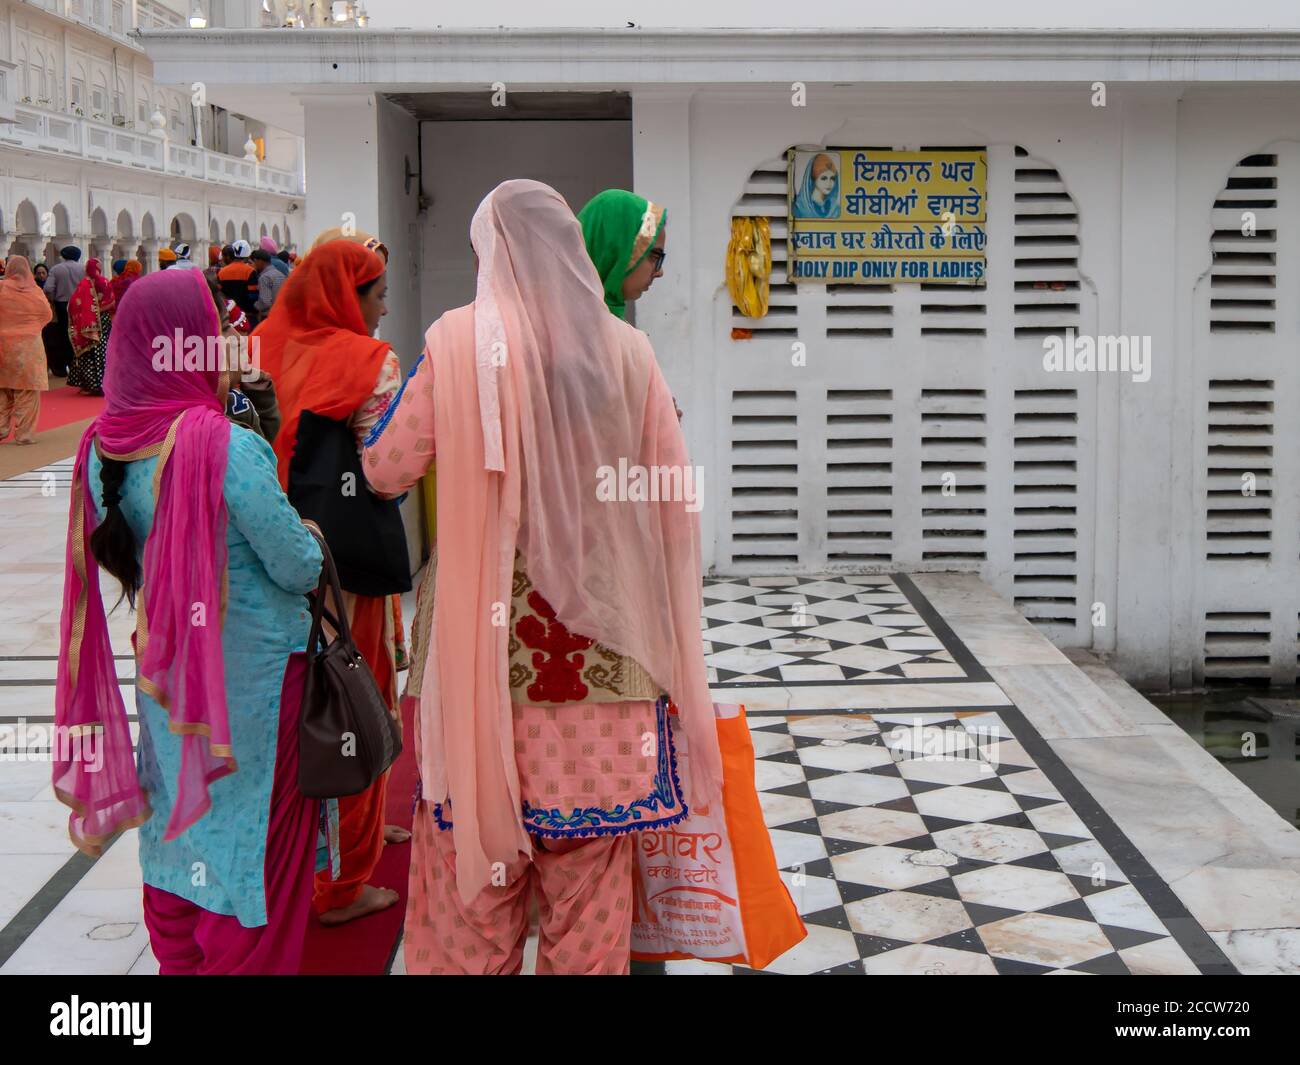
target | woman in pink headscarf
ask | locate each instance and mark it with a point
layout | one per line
(563, 616)
(186, 512)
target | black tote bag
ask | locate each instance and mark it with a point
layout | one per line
(347, 737)
(365, 533)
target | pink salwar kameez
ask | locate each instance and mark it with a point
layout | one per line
(553, 625)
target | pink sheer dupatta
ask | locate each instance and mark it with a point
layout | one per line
(560, 394)
(155, 407)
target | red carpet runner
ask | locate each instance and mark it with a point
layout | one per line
(63, 406)
(364, 947)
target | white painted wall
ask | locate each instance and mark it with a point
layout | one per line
(848, 13)
(1143, 174)
(464, 161)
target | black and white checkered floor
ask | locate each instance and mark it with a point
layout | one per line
(921, 838)
(782, 630)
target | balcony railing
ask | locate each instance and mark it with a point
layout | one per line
(104, 16)
(70, 135)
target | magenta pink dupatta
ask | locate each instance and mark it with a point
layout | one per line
(557, 391)
(155, 407)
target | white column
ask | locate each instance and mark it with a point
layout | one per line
(132, 114)
(1154, 549)
(343, 164)
(677, 313)
(67, 70)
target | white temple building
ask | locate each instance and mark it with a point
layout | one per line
(95, 152)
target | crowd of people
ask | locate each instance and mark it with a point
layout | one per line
(534, 774)
(67, 340)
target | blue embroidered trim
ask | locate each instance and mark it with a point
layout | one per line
(238, 402)
(379, 426)
(595, 821)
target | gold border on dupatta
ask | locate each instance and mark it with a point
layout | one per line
(646, 235)
(79, 568)
(163, 452)
(220, 750)
(94, 845)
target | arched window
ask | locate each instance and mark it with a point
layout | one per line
(26, 220)
(99, 97)
(62, 228)
(78, 87)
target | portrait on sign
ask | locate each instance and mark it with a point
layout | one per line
(872, 216)
(819, 186)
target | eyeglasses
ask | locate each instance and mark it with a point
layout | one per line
(657, 257)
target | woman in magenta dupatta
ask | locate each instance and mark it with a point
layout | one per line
(185, 511)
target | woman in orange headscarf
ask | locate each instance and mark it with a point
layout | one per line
(317, 345)
(24, 312)
(371, 243)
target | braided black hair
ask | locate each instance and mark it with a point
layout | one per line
(112, 543)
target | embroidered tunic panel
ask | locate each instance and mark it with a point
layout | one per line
(593, 770)
(550, 666)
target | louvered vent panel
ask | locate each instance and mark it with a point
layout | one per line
(859, 476)
(1046, 251)
(764, 478)
(908, 381)
(1243, 277)
(765, 197)
(860, 310)
(1239, 470)
(1237, 645)
(954, 310)
(1046, 497)
(954, 475)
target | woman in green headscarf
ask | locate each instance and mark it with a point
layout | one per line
(625, 236)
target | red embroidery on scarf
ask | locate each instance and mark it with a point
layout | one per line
(559, 679)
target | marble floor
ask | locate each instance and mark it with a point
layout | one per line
(945, 790)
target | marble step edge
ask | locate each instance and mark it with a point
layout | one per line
(1257, 817)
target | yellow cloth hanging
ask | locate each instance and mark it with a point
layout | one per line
(749, 265)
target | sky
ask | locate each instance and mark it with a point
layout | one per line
(1080, 14)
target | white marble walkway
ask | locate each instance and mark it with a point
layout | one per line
(867, 651)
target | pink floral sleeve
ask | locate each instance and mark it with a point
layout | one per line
(366, 416)
(400, 447)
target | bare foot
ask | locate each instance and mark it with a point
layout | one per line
(395, 834)
(25, 440)
(371, 900)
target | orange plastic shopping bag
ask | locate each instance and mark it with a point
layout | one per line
(708, 887)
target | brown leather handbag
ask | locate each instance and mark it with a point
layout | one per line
(346, 735)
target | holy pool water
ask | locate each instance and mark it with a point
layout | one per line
(1253, 732)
